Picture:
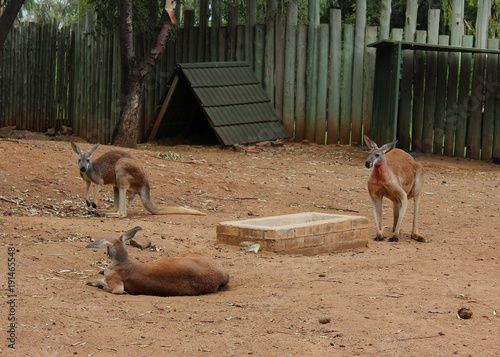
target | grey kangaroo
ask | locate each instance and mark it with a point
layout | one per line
(127, 176)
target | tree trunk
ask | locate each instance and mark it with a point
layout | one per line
(126, 133)
(134, 74)
(8, 17)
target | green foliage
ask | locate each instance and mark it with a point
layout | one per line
(146, 14)
(61, 11)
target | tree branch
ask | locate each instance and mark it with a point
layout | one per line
(7, 18)
(126, 37)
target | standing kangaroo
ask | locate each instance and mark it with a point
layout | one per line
(397, 176)
(127, 176)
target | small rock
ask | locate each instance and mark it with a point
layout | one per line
(464, 313)
(324, 320)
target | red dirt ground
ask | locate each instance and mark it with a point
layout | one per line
(389, 299)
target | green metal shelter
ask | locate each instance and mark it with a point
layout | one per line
(214, 102)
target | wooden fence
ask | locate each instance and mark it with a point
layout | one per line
(322, 93)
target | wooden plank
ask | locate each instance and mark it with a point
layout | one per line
(260, 30)
(223, 44)
(430, 83)
(386, 94)
(457, 30)
(279, 57)
(369, 78)
(491, 93)
(251, 21)
(320, 135)
(441, 85)
(475, 107)
(214, 33)
(300, 99)
(397, 34)
(289, 68)
(164, 107)
(334, 77)
(451, 110)
(463, 98)
(232, 23)
(203, 28)
(268, 82)
(406, 86)
(188, 25)
(194, 34)
(385, 19)
(418, 94)
(240, 43)
(346, 99)
(357, 74)
(312, 70)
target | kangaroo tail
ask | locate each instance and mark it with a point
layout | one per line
(151, 207)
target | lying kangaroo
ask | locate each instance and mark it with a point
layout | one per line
(397, 176)
(188, 274)
(127, 176)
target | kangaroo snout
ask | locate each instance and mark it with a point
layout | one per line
(368, 164)
(83, 169)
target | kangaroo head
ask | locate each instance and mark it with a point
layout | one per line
(116, 246)
(376, 155)
(84, 158)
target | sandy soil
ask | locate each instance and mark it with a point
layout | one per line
(389, 299)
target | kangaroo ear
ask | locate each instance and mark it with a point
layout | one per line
(76, 148)
(387, 146)
(94, 148)
(100, 244)
(130, 234)
(371, 144)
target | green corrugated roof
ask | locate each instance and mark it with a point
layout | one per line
(230, 97)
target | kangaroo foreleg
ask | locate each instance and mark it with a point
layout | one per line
(115, 287)
(94, 199)
(87, 190)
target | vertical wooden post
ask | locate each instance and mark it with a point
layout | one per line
(290, 55)
(269, 51)
(441, 96)
(322, 84)
(203, 27)
(312, 73)
(476, 113)
(240, 43)
(346, 99)
(404, 117)
(490, 96)
(430, 82)
(188, 26)
(260, 31)
(334, 75)
(279, 71)
(418, 94)
(463, 98)
(232, 23)
(369, 71)
(357, 73)
(385, 19)
(214, 32)
(457, 30)
(300, 99)
(251, 21)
